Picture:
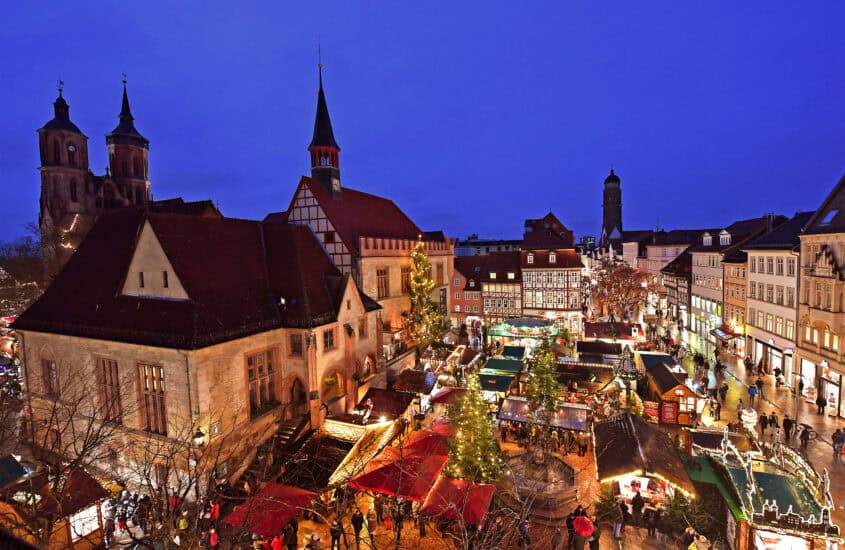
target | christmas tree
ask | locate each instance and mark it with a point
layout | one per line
(542, 388)
(426, 321)
(474, 452)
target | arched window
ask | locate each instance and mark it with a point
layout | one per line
(73, 196)
(57, 152)
(71, 154)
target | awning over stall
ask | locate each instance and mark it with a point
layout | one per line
(409, 475)
(569, 416)
(514, 352)
(447, 395)
(495, 382)
(458, 499)
(504, 365)
(414, 381)
(722, 335)
(271, 509)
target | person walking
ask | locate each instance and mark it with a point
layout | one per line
(764, 423)
(570, 530)
(739, 407)
(335, 531)
(651, 522)
(289, 537)
(723, 392)
(805, 437)
(378, 504)
(638, 503)
(357, 520)
(759, 384)
(752, 393)
(524, 535)
(788, 424)
(594, 539)
(557, 539)
(838, 441)
(773, 422)
(821, 403)
(717, 411)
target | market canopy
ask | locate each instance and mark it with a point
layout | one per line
(666, 380)
(504, 365)
(514, 352)
(442, 425)
(492, 381)
(270, 510)
(458, 499)
(569, 416)
(626, 445)
(524, 327)
(598, 348)
(414, 381)
(447, 395)
(409, 476)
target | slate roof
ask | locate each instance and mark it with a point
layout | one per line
(312, 461)
(680, 266)
(564, 259)
(741, 232)
(126, 126)
(783, 237)
(681, 236)
(233, 271)
(626, 444)
(664, 378)
(470, 267)
(735, 256)
(61, 117)
(414, 381)
(76, 490)
(357, 214)
(502, 263)
(547, 232)
(179, 206)
(830, 217)
(323, 134)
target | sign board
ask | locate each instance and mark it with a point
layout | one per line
(651, 410)
(767, 540)
(669, 412)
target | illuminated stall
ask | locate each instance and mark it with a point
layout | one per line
(677, 400)
(524, 332)
(568, 416)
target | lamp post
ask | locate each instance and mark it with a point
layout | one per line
(198, 440)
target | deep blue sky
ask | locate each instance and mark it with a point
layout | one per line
(470, 116)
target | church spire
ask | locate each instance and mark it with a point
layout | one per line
(126, 125)
(324, 150)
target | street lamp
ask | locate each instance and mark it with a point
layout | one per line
(199, 438)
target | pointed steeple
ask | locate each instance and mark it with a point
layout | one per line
(61, 114)
(126, 126)
(323, 134)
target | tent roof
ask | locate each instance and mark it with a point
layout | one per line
(410, 475)
(272, 508)
(504, 365)
(458, 499)
(414, 381)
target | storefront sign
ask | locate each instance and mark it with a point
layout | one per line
(832, 375)
(669, 412)
(766, 540)
(651, 410)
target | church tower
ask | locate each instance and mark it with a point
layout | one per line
(128, 162)
(611, 228)
(325, 152)
(65, 213)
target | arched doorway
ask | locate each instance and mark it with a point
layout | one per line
(298, 400)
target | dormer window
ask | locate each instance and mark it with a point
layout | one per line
(511, 275)
(829, 217)
(492, 275)
(472, 284)
(707, 239)
(530, 259)
(724, 238)
(552, 258)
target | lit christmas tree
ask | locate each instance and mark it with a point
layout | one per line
(474, 452)
(542, 388)
(427, 323)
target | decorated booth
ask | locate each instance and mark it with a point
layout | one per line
(568, 416)
(676, 399)
(525, 332)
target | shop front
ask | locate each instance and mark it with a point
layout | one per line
(830, 385)
(808, 376)
(775, 356)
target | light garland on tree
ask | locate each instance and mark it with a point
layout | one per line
(426, 320)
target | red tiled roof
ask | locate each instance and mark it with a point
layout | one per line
(547, 232)
(358, 214)
(501, 263)
(564, 259)
(234, 272)
(470, 267)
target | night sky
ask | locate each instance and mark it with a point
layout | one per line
(470, 116)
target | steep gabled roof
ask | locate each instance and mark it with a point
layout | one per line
(358, 214)
(547, 232)
(179, 206)
(680, 266)
(783, 237)
(741, 232)
(564, 259)
(234, 272)
(470, 267)
(830, 217)
(501, 263)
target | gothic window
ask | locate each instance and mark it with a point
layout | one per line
(73, 196)
(57, 152)
(71, 155)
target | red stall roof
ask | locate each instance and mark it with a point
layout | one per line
(409, 476)
(458, 499)
(272, 508)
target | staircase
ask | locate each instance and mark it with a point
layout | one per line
(287, 434)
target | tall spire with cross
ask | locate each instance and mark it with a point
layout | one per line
(323, 149)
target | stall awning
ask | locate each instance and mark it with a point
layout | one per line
(458, 499)
(664, 379)
(504, 365)
(495, 382)
(271, 509)
(722, 335)
(447, 395)
(414, 381)
(515, 352)
(627, 445)
(410, 476)
(569, 416)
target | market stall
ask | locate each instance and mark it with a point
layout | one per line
(632, 455)
(568, 416)
(409, 474)
(270, 510)
(416, 382)
(677, 400)
(458, 500)
(514, 352)
(524, 332)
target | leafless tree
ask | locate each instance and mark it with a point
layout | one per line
(620, 288)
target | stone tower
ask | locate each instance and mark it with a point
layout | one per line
(324, 150)
(611, 227)
(71, 195)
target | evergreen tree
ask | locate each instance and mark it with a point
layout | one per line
(542, 388)
(473, 451)
(427, 323)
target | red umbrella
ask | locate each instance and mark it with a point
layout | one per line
(583, 526)
(270, 509)
(447, 395)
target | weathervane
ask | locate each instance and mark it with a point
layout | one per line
(61, 86)
(124, 78)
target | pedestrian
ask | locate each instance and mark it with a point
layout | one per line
(693, 419)
(314, 543)
(717, 411)
(764, 423)
(570, 530)
(583, 443)
(372, 522)
(557, 539)
(805, 437)
(838, 441)
(289, 537)
(759, 384)
(752, 393)
(214, 539)
(821, 403)
(638, 503)
(788, 424)
(801, 386)
(739, 407)
(555, 441)
(357, 520)
(688, 537)
(524, 535)
(277, 543)
(503, 431)
(773, 421)
(594, 539)
(335, 531)
(651, 522)
(398, 521)
(378, 504)
(182, 523)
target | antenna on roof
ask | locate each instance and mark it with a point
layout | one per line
(319, 56)
(61, 86)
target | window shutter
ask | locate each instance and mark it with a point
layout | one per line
(100, 380)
